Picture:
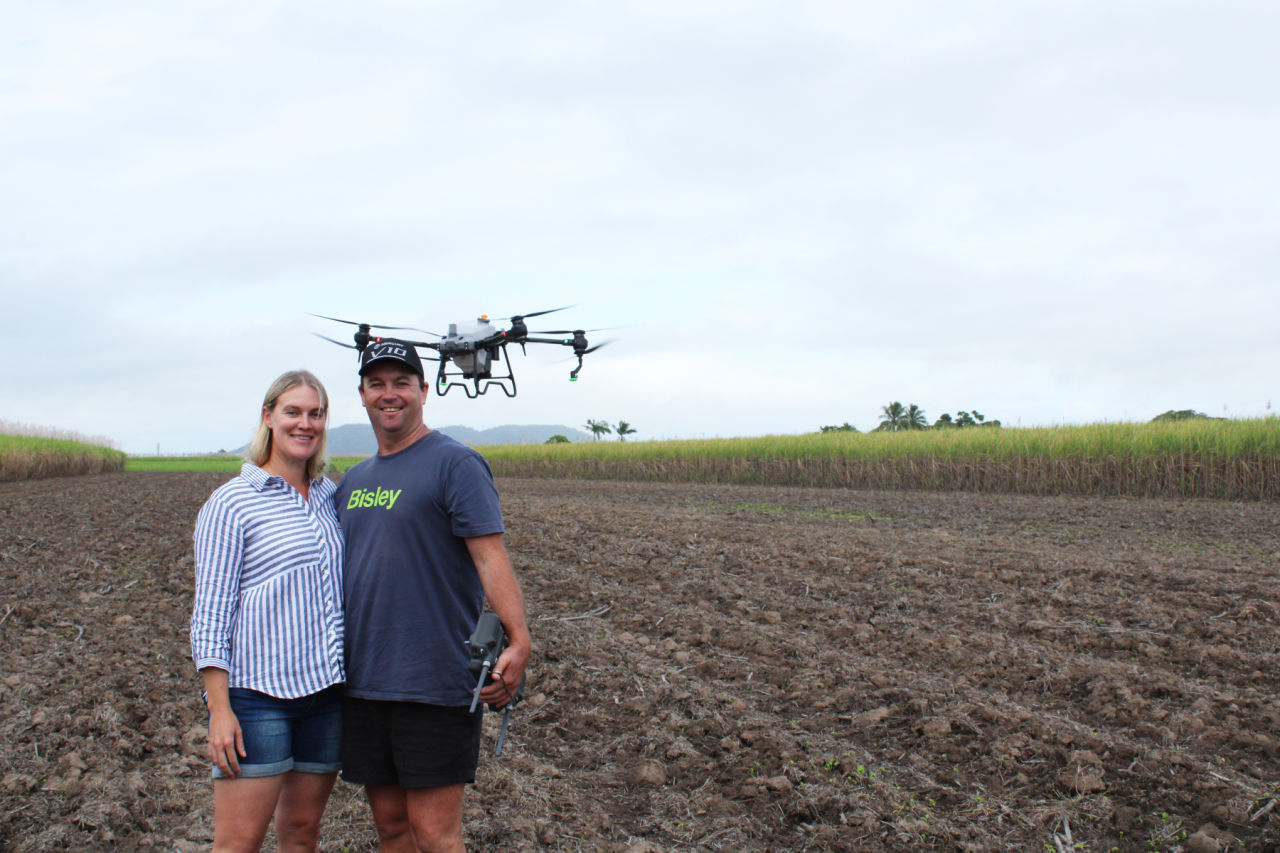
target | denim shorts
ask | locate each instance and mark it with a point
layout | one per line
(280, 735)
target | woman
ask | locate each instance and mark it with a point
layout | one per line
(266, 630)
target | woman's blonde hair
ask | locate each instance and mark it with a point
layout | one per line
(260, 448)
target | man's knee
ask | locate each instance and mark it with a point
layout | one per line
(437, 836)
(390, 834)
(436, 817)
(390, 812)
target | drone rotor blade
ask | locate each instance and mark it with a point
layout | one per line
(406, 329)
(332, 341)
(548, 311)
(569, 331)
(334, 319)
(376, 325)
(588, 350)
(535, 313)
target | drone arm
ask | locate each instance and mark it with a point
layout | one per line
(561, 341)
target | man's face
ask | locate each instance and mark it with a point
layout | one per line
(393, 395)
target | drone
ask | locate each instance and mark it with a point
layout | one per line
(469, 353)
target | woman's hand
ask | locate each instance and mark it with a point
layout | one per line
(226, 741)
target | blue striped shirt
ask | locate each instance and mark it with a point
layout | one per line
(268, 603)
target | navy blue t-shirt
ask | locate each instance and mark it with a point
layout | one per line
(412, 595)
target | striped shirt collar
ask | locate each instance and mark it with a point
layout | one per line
(260, 478)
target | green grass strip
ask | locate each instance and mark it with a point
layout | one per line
(214, 463)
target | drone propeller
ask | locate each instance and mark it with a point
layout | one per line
(588, 350)
(332, 341)
(570, 331)
(374, 326)
(535, 313)
(353, 346)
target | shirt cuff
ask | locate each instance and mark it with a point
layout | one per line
(206, 662)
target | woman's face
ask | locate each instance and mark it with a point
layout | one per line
(296, 425)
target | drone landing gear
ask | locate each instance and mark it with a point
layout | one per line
(481, 371)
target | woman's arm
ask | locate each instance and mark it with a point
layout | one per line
(219, 559)
(219, 551)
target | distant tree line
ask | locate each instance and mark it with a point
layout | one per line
(965, 419)
(896, 417)
(1184, 415)
(599, 428)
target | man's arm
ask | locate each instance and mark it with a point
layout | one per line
(503, 592)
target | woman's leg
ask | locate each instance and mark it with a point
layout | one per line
(242, 810)
(300, 807)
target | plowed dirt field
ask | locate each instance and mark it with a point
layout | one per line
(718, 668)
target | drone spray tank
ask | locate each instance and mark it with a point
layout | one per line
(471, 359)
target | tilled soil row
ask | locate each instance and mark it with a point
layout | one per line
(718, 668)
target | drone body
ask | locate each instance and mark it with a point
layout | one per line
(471, 352)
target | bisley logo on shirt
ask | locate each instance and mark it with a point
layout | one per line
(364, 498)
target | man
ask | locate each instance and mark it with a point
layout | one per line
(424, 550)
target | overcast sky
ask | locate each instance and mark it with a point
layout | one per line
(1052, 212)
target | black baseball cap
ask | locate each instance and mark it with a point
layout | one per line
(390, 349)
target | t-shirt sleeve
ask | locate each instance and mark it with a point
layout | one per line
(472, 498)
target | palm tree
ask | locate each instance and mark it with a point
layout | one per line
(915, 418)
(598, 428)
(623, 429)
(893, 417)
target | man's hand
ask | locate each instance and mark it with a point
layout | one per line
(501, 689)
(503, 592)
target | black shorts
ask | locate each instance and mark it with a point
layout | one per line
(410, 744)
